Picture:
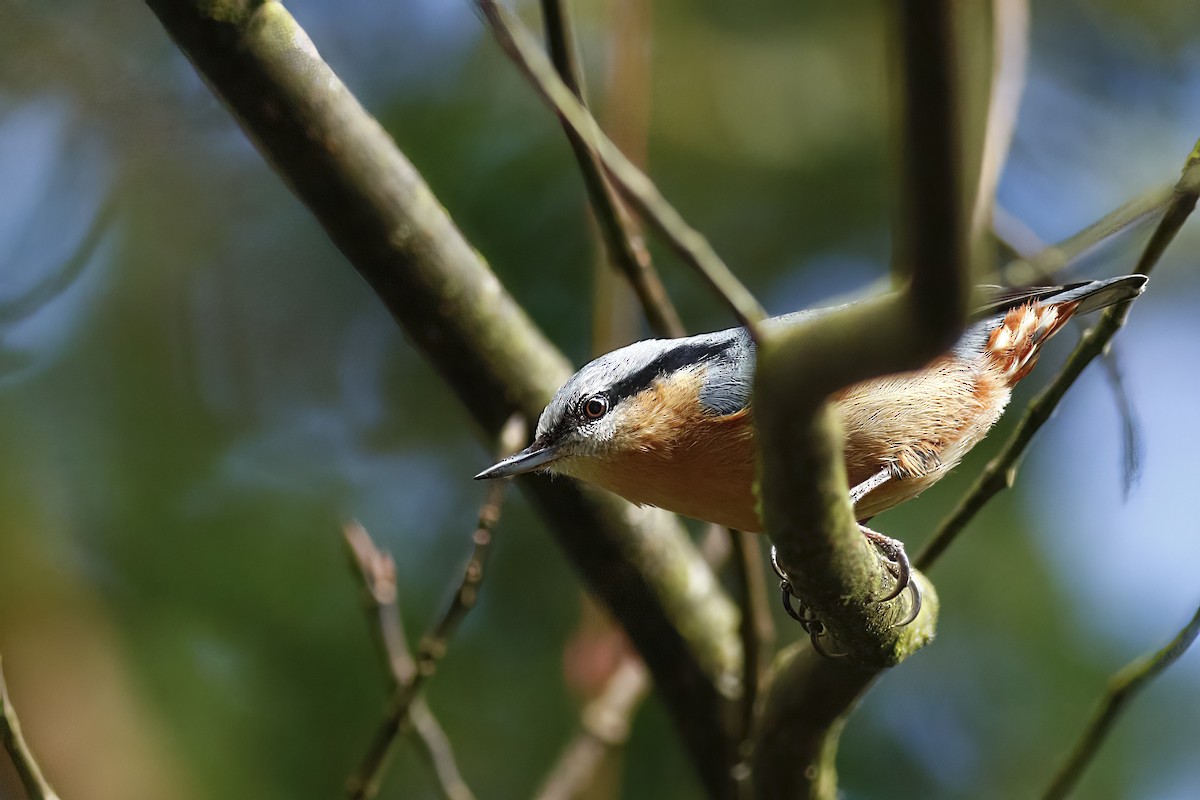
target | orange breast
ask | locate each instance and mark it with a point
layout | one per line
(682, 459)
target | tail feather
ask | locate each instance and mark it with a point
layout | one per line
(1023, 323)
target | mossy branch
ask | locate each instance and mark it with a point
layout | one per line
(805, 497)
(380, 213)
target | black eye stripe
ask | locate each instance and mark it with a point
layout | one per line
(670, 361)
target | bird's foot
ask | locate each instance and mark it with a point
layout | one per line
(901, 568)
(798, 610)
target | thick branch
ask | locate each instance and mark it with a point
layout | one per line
(382, 216)
(805, 498)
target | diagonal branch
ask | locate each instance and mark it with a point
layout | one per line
(35, 784)
(1122, 688)
(380, 213)
(364, 783)
(1001, 471)
(605, 724)
(377, 570)
(624, 245)
(633, 184)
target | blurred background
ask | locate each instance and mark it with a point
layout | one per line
(196, 391)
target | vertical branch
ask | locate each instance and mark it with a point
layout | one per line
(932, 247)
(757, 626)
(36, 785)
(1010, 54)
(1122, 688)
(805, 498)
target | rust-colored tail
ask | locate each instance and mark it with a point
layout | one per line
(1014, 345)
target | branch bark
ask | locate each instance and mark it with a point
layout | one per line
(805, 497)
(380, 213)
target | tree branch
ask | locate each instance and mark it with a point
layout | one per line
(805, 498)
(604, 725)
(1001, 471)
(35, 784)
(622, 243)
(377, 571)
(1122, 688)
(380, 213)
(633, 184)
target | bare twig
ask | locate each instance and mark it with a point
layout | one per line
(1122, 688)
(1026, 245)
(633, 184)
(1010, 53)
(624, 245)
(757, 626)
(1001, 471)
(377, 570)
(1050, 260)
(604, 725)
(364, 783)
(36, 785)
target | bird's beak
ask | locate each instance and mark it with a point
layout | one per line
(535, 456)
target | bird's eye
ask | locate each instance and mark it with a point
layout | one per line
(595, 407)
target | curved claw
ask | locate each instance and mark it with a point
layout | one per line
(892, 550)
(785, 588)
(815, 639)
(915, 589)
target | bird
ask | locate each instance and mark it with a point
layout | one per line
(669, 422)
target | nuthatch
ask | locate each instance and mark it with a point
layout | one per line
(667, 422)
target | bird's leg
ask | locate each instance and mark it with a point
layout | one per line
(892, 549)
(860, 491)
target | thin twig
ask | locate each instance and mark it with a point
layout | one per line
(604, 725)
(1050, 260)
(1001, 471)
(1026, 245)
(377, 570)
(36, 785)
(624, 245)
(757, 626)
(1010, 54)
(606, 721)
(1122, 688)
(633, 184)
(364, 783)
